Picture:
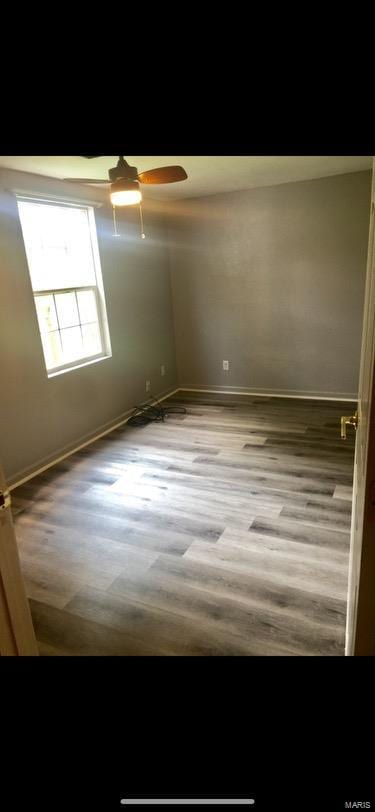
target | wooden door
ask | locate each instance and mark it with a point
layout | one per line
(360, 628)
(16, 629)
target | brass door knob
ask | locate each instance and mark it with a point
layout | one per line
(348, 421)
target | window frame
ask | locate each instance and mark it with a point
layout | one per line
(97, 288)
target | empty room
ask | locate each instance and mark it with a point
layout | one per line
(187, 440)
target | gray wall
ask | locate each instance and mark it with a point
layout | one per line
(272, 279)
(41, 417)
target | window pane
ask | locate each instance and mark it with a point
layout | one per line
(52, 349)
(71, 339)
(91, 339)
(45, 308)
(67, 310)
(58, 245)
(87, 306)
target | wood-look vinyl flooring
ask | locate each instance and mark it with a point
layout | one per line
(223, 531)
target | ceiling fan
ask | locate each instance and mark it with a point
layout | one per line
(124, 180)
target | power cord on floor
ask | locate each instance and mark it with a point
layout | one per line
(153, 413)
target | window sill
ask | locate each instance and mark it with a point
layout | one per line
(77, 366)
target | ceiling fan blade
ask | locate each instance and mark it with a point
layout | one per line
(86, 180)
(165, 174)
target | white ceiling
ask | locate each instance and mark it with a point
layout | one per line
(206, 174)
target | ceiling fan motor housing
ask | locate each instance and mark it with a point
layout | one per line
(123, 170)
(122, 184)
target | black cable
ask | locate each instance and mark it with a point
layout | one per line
(170, 409)
(151, 413)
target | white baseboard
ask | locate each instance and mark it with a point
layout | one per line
(273, 393)
(67, 451)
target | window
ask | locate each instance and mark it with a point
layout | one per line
(64, 265)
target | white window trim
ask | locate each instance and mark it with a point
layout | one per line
(77, 365)
(98, 288)
(64, 200)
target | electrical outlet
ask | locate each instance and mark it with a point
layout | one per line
(162, 369)
(226, 365)
(148, 386)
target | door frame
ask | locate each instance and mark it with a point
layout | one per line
(17, 636)
(364, 636)
(360, 623)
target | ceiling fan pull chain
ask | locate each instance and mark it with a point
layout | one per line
(143, 235)
(115, 234)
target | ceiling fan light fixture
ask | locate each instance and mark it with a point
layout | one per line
(125, 192)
